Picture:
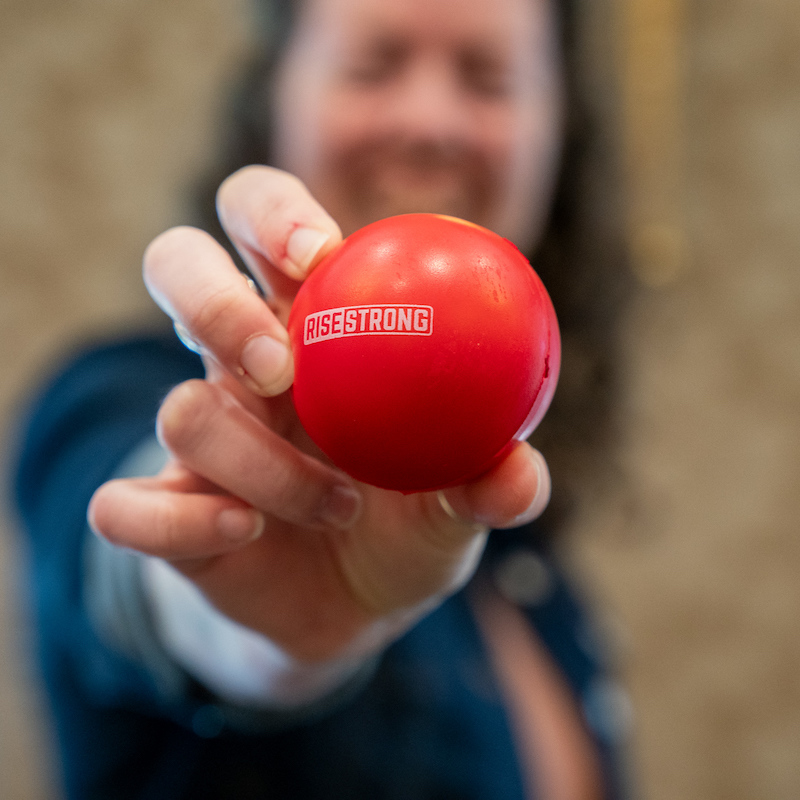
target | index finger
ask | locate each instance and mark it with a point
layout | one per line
(277, 227)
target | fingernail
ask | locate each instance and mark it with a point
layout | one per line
(341, 507)
(542, 496)
(240, 524)
(302, 246)
(268, 364)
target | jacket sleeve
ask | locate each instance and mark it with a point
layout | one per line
(95, 620)
(76, 434)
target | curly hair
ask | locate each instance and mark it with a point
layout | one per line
(580, 257)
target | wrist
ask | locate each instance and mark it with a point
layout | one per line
(240, 665)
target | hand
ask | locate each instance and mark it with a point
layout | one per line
(248, 508)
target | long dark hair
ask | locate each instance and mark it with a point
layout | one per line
(580, 257)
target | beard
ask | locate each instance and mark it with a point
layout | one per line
(387, 178)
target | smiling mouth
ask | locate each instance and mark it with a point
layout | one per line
(397, 187)
(416, 190)
(386, 178)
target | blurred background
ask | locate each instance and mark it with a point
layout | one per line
(107, 114)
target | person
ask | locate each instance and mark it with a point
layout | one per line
(245, 620)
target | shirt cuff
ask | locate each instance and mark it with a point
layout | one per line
(238, 664)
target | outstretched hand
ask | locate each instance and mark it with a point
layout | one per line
(248, 508)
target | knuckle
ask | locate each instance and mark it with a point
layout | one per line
(211, 313)
(167, 245)
(167, 529)
(183, 415)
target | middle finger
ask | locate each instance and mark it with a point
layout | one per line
(195, 281)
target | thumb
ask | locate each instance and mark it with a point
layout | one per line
(515, 491)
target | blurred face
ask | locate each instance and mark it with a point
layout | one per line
(452, 106)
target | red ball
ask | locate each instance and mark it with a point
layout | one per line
(424, 347)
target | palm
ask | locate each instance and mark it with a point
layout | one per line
(313, 589)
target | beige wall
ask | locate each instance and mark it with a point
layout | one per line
(699, 559)
(105, 113)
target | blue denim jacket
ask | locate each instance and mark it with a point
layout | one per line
(426, 722)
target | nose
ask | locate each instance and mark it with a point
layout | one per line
(429, 105)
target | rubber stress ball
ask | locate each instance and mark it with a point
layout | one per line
(424, 347)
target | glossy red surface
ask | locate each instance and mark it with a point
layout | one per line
(423, 347)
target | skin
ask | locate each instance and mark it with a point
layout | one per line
(452, 107)
(444, 105)
(248, 508)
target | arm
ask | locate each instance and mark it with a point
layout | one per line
(272, 535)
